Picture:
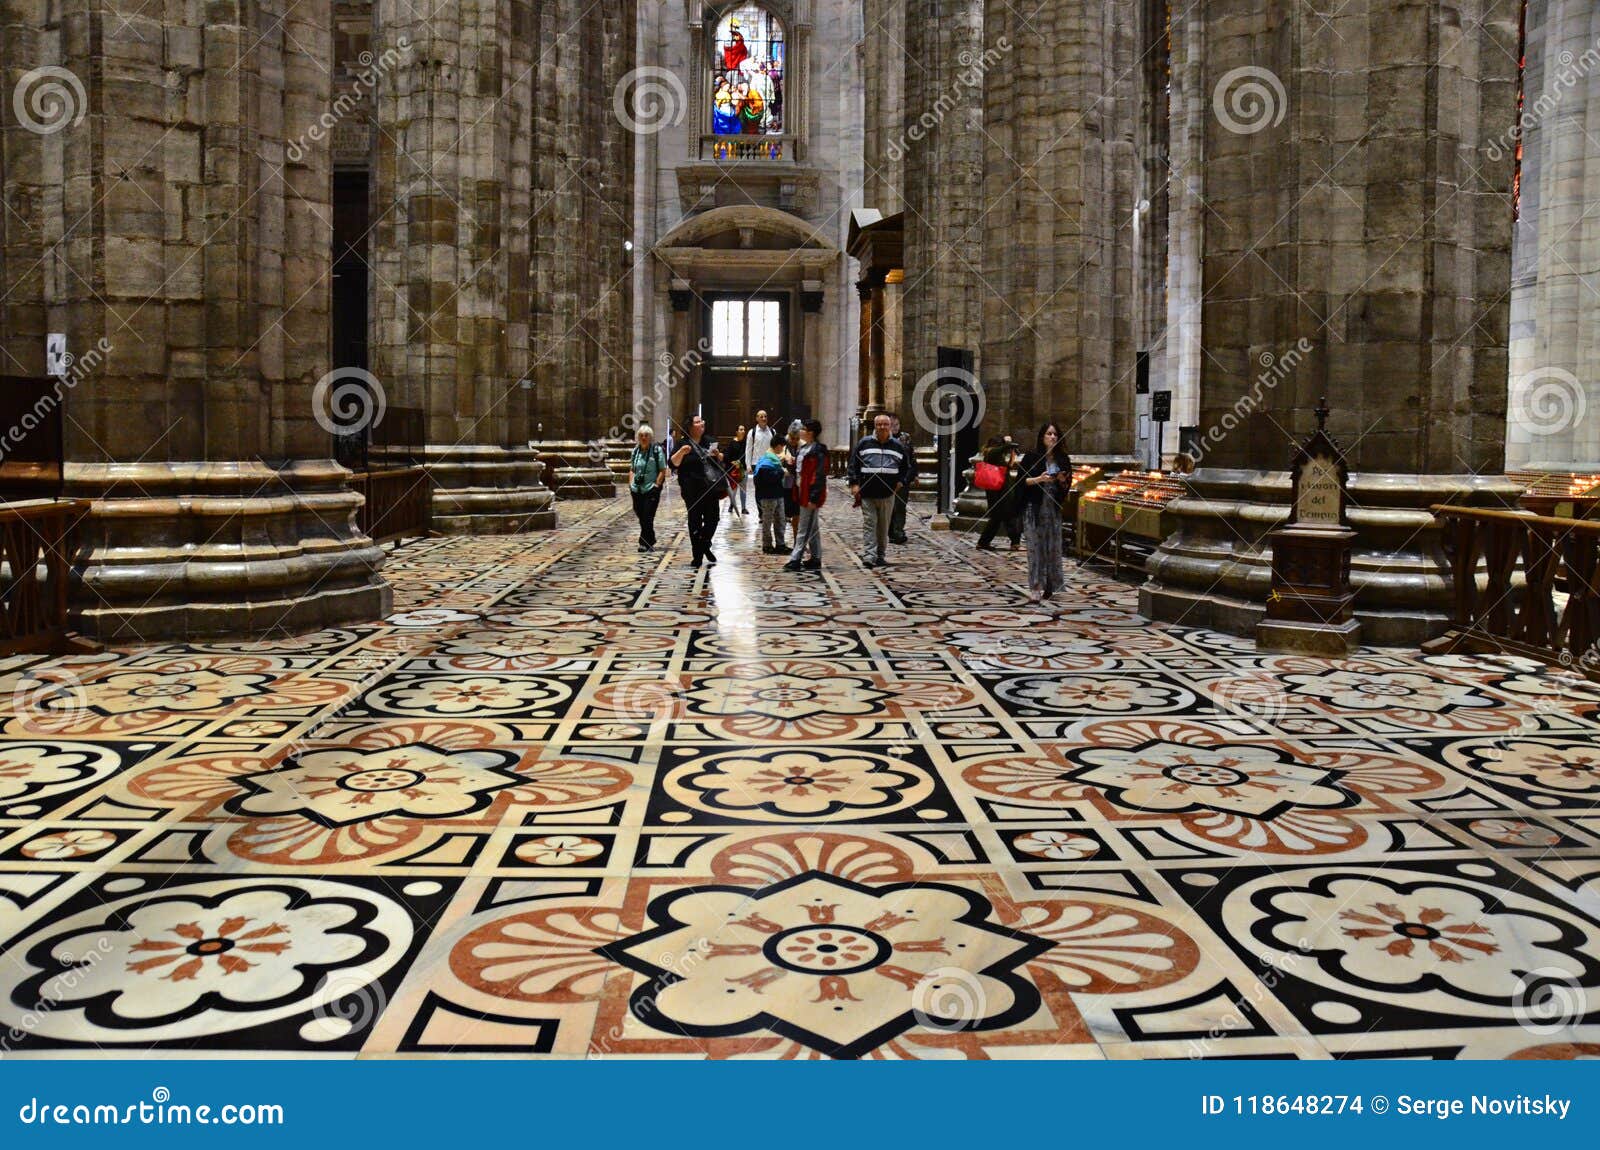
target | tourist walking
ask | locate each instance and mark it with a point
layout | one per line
(704, 484)
(756, 442)
(1046, 480)
(791, 482)
(811, 492)
(1005, 502)
(737, 471)
(902, 498)
(648, 468)
(767, 476)
(876, 472)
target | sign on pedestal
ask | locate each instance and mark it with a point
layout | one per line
(1309, 610)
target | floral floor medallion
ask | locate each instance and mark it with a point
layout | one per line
(835, 965)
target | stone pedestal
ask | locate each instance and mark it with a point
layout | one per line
(1309, 608)
(1216, 570)
(572, 472)
(1293, 637)
(488, 490)
(197, 550)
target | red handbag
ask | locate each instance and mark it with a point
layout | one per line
(989, 477)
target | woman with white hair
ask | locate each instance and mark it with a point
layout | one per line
(648, 468)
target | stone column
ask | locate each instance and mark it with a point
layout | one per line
(166, 210)
(812, 300)
(1190, 108)
(876, 347)
(864, 348)
(578, 263)
(1553, 415)
(451, 147)
(1356, 246)
(1062, 93)
(683, 367)
(883, 70)
(941, 301)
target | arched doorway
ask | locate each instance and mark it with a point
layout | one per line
(746, 291)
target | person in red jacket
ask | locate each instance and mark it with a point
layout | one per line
(811, 492)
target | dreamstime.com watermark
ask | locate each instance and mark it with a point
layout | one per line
(1274, 370)
(1569, 70)
(1547, 401)
(59, 987)
(160, 1110)
(78, 369)
(1250, 100)
(351, 99)
(649, 100)
(1239, 1016)
(974, 67)
(674, 370)
(348, 400)
(49, 99)
(947, 400)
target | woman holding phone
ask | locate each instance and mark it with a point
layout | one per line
(1046, 478)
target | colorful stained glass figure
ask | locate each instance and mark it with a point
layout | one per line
(747, 69)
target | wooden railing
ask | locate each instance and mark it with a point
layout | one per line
(1525, 584)
(398, 503)
(35, 549)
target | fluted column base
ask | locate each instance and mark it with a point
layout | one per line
(1215, 571)
(174, 551)
(575, 473)
(480, 490)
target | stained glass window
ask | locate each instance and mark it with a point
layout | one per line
(747, 69)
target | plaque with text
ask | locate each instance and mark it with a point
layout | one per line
(1321, 480)
(1319, 499)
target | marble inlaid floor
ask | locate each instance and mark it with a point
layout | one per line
(574, 800)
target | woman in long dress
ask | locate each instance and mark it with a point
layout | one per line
(1046, 477)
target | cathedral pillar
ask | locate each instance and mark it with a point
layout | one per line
(178, 220)
(875, 346)
(1356, 246)
(812, 299)
(942, 151)
(864, 348)
(1061, 89)
(449, 294)
(581, 273)
(681, 372)
(1553, 414)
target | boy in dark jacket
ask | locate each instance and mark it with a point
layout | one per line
(768, 473)
(811, 492)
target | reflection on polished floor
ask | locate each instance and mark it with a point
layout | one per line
(575, 800)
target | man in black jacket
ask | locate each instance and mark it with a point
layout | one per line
(877, 471)
(703, 483)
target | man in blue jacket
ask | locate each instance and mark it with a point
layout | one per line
(879, 467)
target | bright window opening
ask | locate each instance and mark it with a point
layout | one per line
(747, 329)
